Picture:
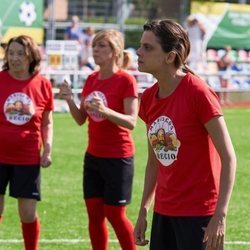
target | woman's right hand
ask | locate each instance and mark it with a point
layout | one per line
(65, 91)
(140, 230)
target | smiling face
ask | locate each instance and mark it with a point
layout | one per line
(151, 57)
(18, 60)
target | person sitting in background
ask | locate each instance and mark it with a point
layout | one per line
(74, 31)
(86, 55)
(224, 64)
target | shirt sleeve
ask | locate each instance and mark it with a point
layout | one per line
(130, 87)
(207, 104)
(49, 96)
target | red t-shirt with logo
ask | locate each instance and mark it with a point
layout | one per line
(22, 103)
(189, 165)
(107, 139)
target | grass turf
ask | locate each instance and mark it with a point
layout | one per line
(63, 215)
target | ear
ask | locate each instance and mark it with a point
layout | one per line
(170, 57)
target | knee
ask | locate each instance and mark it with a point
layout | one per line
(27, 210)
(27, 216)
(115, 213)
(95, 209)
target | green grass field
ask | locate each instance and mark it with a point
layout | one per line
(63, 215)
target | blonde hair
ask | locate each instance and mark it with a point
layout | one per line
(127, 59)
(117, 43)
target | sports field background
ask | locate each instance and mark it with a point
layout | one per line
(63, 215)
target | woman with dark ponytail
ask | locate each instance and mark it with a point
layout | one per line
(191, 162)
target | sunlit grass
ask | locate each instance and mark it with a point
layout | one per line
(62, 213)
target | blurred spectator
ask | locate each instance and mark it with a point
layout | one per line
(86, 52)
(196, 32)
(225, 63)
(74, 31)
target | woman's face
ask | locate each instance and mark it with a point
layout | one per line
(17, 59)
(151, 57)
(102, 52)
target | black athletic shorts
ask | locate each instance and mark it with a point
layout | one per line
(178, 233)
(24, 181)
(108, 178)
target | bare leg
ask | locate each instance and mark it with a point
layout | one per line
(29, 222)
(1, 206)
(224, 96)
(27, 210)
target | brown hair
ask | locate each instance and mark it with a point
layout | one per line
(31, 50)
(172, 37)
(117, 43)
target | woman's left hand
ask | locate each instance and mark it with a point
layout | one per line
(215, 232)
(96, 104)
(45, 160)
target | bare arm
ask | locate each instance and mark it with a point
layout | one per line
(47, 138)
(147, 197)
(202, 27)
(214, 233)
(79, 114)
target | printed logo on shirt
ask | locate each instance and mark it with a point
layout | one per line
(122, 201)
(18, 108)
(163, 139)
(94, 115)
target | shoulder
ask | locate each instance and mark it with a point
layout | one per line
(195, 82)
(3, 73)
(122, 74)
(4, 76)
(93, 75)
(199, 92)
(150, 92)
(40, 79)
(195, 88)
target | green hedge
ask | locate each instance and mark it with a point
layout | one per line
(132, 39)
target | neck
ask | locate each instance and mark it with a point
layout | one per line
(107, 72)
(20, 75)
(168, 82)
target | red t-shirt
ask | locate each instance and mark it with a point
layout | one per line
(107, 139)
(189, 165)
(22, 103)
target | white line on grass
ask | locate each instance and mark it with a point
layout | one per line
(75, 241)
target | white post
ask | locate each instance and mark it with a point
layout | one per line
(85, 10)
(51, 21)
(121, 13)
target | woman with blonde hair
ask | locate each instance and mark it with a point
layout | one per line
(109, 102)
